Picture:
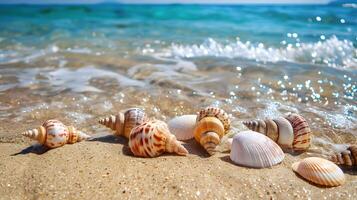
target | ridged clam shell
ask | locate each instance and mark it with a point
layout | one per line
(253, 149)
(319, 171)
(54, 133)
(183, 126)
(153, 138)
(215, 112)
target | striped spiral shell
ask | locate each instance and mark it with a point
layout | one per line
(212, 124)
(153, 138)
(217, 113)
(319, 171)
(347, 157)
(124, 122)
(292, 131)
(54, 133)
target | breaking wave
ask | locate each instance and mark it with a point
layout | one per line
(331, 52)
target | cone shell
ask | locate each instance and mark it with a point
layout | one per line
(319, 171)
(54, 133)
(124, 122)
(183, 126)
(290, 132)
(153, 138)
(215, 112)
(208, 132)
(347, 157)
(252, 149)
(302, 132)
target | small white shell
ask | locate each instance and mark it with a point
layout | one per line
(183, 126)
(253, 149)
(319, 171)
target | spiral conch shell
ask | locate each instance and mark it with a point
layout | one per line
(54, 133)
(124, 122)
(153, 138)
(212, 125)
(319, 171)
(291, 132)
(347, 157)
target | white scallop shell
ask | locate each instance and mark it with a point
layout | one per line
(183, 126)
(319, 171)
(253, 149)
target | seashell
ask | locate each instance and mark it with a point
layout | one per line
(252, 149)
(124, 122)
(319, 171)
(212, 124)
(215, 112)
(292, 132)
(183, 126)
(54, 133)
(286, 132)
(153, 138)
(302, 132)
(347, 157)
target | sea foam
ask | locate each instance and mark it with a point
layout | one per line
(331, 52)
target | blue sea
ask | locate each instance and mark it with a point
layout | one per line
(79, 62)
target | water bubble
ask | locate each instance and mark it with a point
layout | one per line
(318, 18)
(342, 21)
(54, 48)
(295, 35)
(322, 37)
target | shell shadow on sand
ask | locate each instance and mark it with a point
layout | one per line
(191, 146)
(36, 149)
(228, 160)
(312, 183)
(109, 139)
(114, 140)
(194, 148)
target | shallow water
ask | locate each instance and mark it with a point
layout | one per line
(80, 63)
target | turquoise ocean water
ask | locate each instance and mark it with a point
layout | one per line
(254, 61)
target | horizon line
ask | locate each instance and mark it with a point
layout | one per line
(153, 3)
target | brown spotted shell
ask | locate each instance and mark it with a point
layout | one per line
(153, 138)
(54, 133)
(124, 122)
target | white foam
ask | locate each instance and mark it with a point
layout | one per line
(332, 52)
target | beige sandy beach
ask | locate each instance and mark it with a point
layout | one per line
(105, 169)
